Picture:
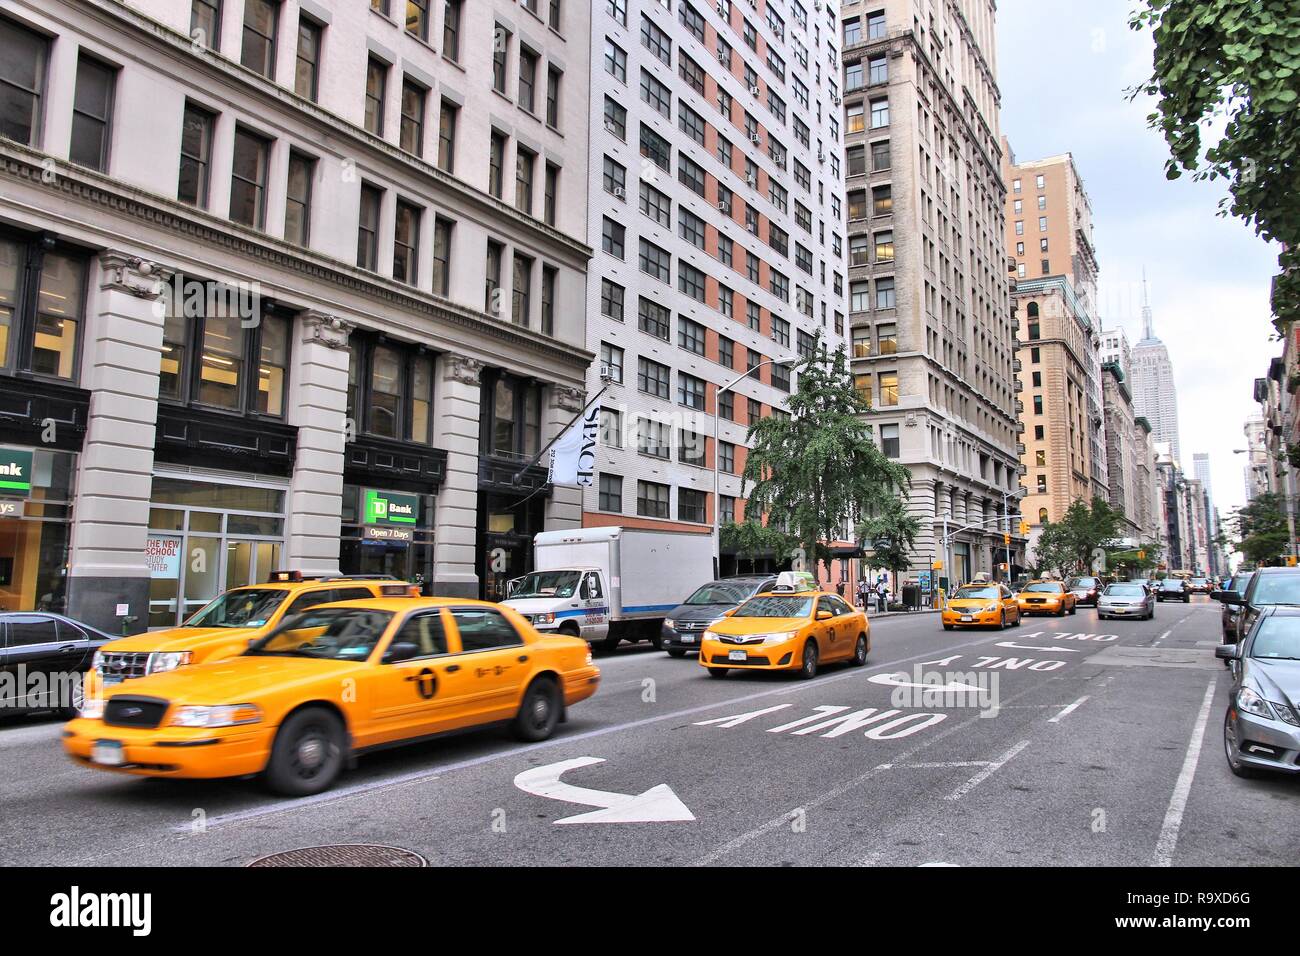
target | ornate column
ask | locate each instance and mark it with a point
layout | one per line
(456, 431)
(318, 407)
(110, 519)
(564, 507)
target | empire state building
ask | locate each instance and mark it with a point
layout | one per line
(1154, 395)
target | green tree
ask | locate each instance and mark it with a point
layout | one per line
(1261, 530)
(816, 470)
(892, 532)
(1069, 546)
(1239, 62)
(750, 539)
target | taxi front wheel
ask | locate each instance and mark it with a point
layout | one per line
(308, 753)
(539, 711)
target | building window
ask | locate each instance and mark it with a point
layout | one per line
(258, 48)
(878, 70)
(611, 300)
(297, 204)
(248, 179)
(655, 262)
(653, 438)
(880, 156)
(372, 200)
(652, 377)
(615, 60)
(492, 278)
(553, 97)
(727, 510)
(887, 339)
(196, 156)
(442, 229)
(91, 113)
(727, 406)
(376, 80)
(1042, 487)
(690, 391)
(513, 425)
(611, 428)
(1038, 404)
(411, 136)
(527, 80)
(690, 281)
(500, 51)
(655, 148)
(885, 293)
(612, 237)
(879, 113)
(525, 165)
(618, 10)
(865, 388)
(690, 447)
(656, 205)
(690, 505)
(726, 457)
(615, 119)
(651, 499)
(205, 22)
(41, 297)
(882, 201)
(653, 319)
(496, 163)
(306, 76)
(406, 243)
(889, 441)
(551, 196)
(448, 114)
(611, 493)
(611, 358)
(521, 288)
(690, 335)
(417, 18)
(390, 389)
(451, 29)
(888, 388)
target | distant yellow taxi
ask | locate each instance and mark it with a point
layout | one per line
(981, 605)
(787, 630)
(227, 625)
(1046, 597)
(332, 682)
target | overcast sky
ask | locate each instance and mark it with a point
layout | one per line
(1063, 67)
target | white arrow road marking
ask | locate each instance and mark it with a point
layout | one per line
(657, 805)
(740, 718)
(1026, 647)
(899, 680)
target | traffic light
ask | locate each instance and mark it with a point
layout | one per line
(1142, 555)
(1024, 527)
(1290, 561)
(1006, 539)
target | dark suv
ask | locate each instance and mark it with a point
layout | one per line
(1173, 589)
(1267, 587)
(1228, 619)
(684, 624)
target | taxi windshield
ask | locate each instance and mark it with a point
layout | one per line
(247, 607)
(717, 594)
(546, 584)
(327, 633)
(980, 592)
(1046, 587)
(770, 606)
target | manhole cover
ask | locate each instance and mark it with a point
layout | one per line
(343, 854)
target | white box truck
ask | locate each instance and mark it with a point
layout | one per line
(610, 584)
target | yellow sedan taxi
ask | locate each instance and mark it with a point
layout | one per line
(1046, 597)
(332, 682)
(227, 625)
(981, 605)
(787, 630)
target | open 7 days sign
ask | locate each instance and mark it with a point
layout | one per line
(15, 472)
(386, 507)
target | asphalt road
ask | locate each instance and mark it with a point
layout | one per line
(1105, 748)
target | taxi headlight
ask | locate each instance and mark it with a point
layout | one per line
(777, 637)
(92, 708)
(167, 661)
(989, 609)
(223, 715)
(547, 618)
(97, 661)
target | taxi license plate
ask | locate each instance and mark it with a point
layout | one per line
(688, 638)
(967, 617)
(737, 656)
(108, 752)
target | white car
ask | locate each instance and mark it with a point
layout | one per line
(1126, 600)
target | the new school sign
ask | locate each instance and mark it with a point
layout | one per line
(15, 472)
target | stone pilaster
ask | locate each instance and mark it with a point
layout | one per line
(110, 522)
(564, 507)
(456, 430)
(318, 407)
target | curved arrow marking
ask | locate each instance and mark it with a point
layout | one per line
(657, 805)
(900, 680)
(1028, 647)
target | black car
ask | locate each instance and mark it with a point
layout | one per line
(1173, 589)
(1085, 590)
(1267, 587)
(685, 623)
(1228, 618)
(42, 658)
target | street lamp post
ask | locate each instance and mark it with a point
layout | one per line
(717, 500)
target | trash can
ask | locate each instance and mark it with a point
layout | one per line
(912, 596)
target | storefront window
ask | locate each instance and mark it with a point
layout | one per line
(42, 295)
(372, 545)
(34, 546)
(271, 374)
(222, 362)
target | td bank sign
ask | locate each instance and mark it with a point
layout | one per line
(386, 507)
(15, 472)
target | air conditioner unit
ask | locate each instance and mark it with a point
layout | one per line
(754, 91)
(835, 99)
(620, 193)
(755, 138)
(722, 9)
(753, 183)
(821, 157)
(610, 127)
(724, 207)
(606, 372)
(724, 56)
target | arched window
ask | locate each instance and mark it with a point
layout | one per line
(1032, 311)
(1042, 515)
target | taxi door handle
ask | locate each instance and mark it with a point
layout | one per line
(523, 658)
(452, 668)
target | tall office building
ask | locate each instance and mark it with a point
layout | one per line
(930, 318)
(717, 211)
(290, 284)
(1049, 237)
(1154, 394)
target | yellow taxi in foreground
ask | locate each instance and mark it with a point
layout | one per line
(228, 624)
(1046, 597)
(787, 630)
(981, 605)
(331, 682)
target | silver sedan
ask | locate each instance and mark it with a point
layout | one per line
(1126, 600)
(1261, 730)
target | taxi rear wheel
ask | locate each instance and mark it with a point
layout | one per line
(308, 753)
(539, 711)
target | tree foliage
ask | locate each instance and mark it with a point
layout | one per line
(751, 539)
(1261, 530)
(814, 472)
(1070, 546)
(1239, 62)
(892, 532)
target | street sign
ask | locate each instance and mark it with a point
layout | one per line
(937, 566)
(389, 507)
(374, 532)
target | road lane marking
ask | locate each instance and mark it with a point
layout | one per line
(1162, 637)
(1069, 709)
(987, 772)
(939, 765)
(740, 718)
(1168, 842)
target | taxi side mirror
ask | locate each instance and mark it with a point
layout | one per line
(400, 651)
(825, 615)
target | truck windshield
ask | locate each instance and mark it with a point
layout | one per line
(775, 607)
(546, 584)
(717, 594)
(248, 607)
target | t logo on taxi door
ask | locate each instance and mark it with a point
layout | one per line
(426, 683)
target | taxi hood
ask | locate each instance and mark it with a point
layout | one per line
(238, 680)
(179, 639)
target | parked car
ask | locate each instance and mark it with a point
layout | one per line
(685, 623)
(1261, 730)
(1267, 587)
(43, 660)
(1228, 618)
(1173, 589)
(1130, 599)
(1085, 589)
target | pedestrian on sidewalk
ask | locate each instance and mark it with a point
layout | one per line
(863, 590)
(882, 596)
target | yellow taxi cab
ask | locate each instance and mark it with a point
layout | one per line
(789, 628)
(1046, 597)
(334, 681)
(225, 626)
(987, 604)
